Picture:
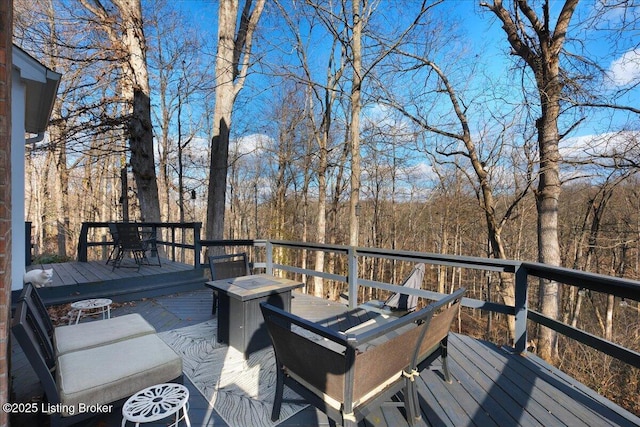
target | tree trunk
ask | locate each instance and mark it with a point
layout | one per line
(139, 126)
(356, 86)
(129, 41)
(321, 228)
(142, 158)
(218, 166)
(608, 329)
(540, 48)
(232, 62)
(547, 196)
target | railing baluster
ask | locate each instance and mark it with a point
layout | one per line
(521, 298)
(352, 276)
(173, 241)
(197, 246)
(269, 253)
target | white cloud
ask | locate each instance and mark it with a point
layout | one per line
(625, 69)
(382, 116)
(589, 156)
(250, 144)
(614, 144)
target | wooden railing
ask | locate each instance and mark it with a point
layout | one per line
(264, 257)
(523, 271)
(166, 234)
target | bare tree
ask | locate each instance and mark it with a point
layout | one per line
(175, 76)
(83, 119)
(235, 38)
(482, 164)
(129, 42)
(354, 23)
(560, 79)
(322, 97)
(539, 42)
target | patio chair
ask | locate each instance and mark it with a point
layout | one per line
(349, 374)
(225, 267)
(129, 241)
(400, 303)
(78, 381)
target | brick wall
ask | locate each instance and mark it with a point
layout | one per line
(6, 20)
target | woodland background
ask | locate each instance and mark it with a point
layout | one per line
(447, 127)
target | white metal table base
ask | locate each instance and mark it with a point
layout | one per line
(99, 305)
(157, 402)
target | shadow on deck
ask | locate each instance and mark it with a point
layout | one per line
(491, 386)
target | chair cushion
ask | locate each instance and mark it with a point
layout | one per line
(100, 332)
(108, 373)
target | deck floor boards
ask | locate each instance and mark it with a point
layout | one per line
(491, 387)
(76, 273)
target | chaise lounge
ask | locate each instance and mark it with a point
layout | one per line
(81, 336)
(106, 369)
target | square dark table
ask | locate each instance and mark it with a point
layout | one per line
(240, 322)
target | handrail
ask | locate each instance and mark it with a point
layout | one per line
(624, 288)
(522, 271)
(84, 244)
(619, 287)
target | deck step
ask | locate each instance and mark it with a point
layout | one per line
(126, 289)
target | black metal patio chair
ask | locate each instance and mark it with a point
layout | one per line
(129, 241)
(225, 267)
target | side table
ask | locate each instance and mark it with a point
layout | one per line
(99, 305)
(157, 402)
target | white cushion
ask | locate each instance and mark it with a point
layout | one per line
(111, 372)
(100, 332)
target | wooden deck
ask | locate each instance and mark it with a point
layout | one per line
(96, 279)
(76, 273)
(491, 387)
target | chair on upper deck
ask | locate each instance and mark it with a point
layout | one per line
(113, 230)
(129, 240)
(226, 267)
(349, 374)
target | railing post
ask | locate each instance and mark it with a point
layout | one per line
(352, 276)
(173, 242)
(197, 246)
(82, 242)
(269, 255)
(28, 246)
(521, 308)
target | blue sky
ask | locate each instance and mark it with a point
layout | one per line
(482, 37)
(485, 44)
